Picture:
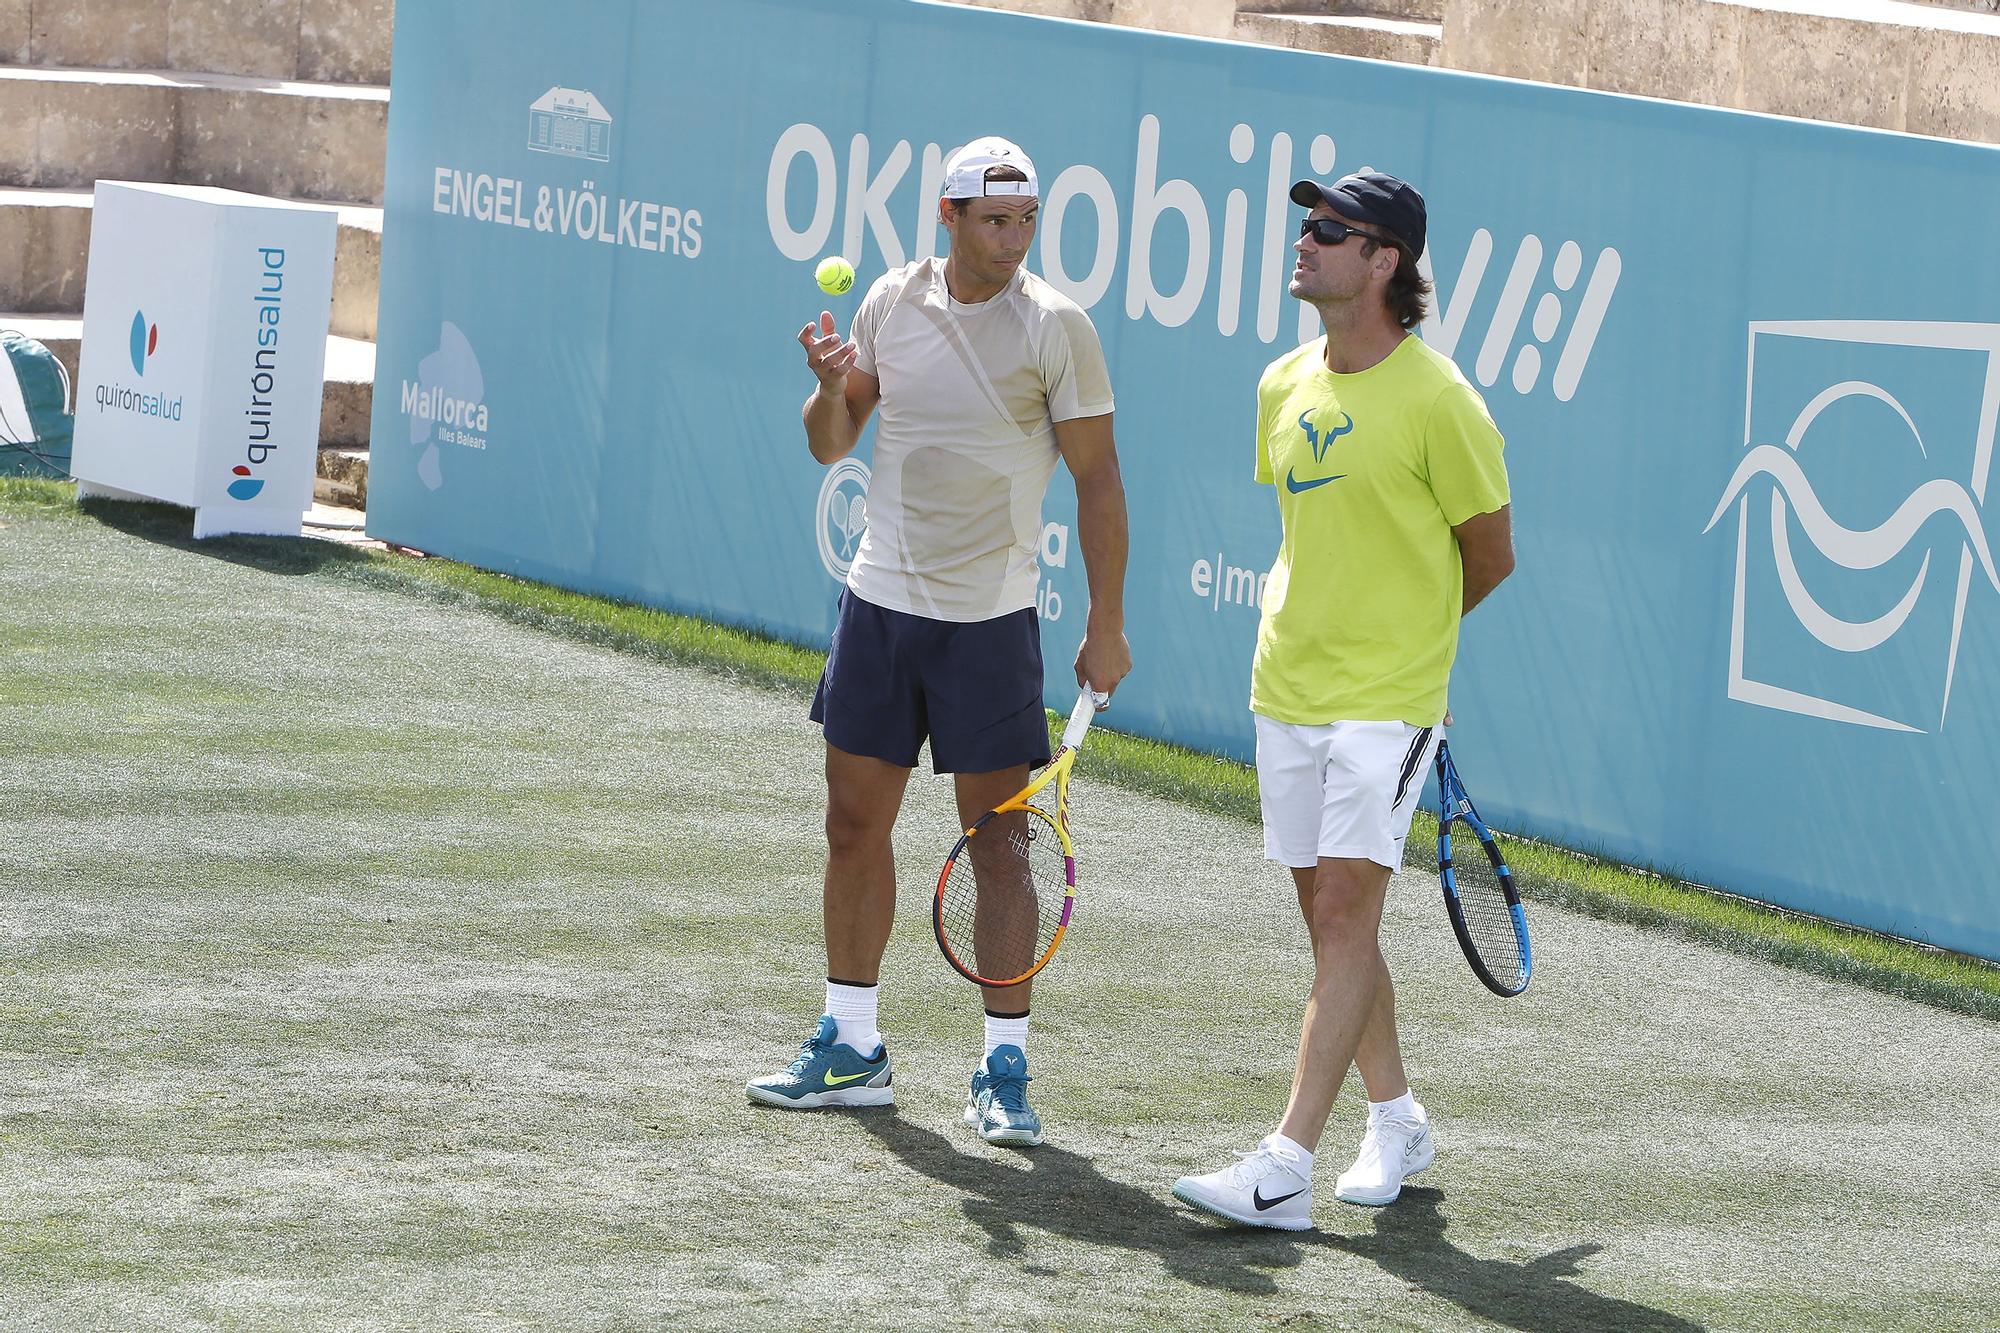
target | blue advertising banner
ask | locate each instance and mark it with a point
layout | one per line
(1748, 370)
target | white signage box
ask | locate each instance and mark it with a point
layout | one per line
(204, 353)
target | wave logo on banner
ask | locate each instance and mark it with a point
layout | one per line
(446, 403)
(842, 515)
(572, 122)
(1875, 409)
(145, 341)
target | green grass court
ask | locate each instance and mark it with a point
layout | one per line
(386, 944)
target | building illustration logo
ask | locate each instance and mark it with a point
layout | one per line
(1843, 417)
(572, 122)
(841, 516)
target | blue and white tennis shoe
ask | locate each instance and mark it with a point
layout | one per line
(998, 1105)
(827, 1074)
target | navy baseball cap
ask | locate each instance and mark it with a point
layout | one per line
(1373, 197)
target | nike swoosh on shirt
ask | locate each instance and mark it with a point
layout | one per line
(834, 1081)
(1297, 487)
(1257, 1195)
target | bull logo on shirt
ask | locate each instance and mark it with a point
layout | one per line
(1320, 446)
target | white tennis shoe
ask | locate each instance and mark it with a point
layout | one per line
(1271, 1187)
(1393, 1151)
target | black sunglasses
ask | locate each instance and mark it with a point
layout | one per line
(1328, 232)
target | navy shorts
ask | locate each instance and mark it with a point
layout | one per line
(974, 688)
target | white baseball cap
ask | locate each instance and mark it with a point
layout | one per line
(965, 170)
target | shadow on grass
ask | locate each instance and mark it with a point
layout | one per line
(1065, 1194)
(1409, 1243)
(168, 525)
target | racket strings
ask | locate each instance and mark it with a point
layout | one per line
(1006, 895)
(1483, 905)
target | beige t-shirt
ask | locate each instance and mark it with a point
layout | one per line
(965, 437)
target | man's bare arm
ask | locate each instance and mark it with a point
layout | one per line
(844, 397)
(1088, 449)
(1486, 551)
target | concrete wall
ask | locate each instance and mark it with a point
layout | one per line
(1201, 18)
(1938, 77)
(64, 129)
(335, 41)
(1934, 70)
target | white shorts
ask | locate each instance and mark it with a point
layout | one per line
(1342, 789)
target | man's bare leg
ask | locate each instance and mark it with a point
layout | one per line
(1346, 915)
(977, 793)
(998, 1106)
(1379, 1057)
(863, 796)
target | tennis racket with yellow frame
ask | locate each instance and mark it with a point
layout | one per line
(1006, 891)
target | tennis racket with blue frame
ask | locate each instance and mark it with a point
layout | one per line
(1479, 893)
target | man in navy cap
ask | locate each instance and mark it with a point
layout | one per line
(1393, 503)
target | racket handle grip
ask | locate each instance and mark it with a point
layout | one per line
(1088, 702)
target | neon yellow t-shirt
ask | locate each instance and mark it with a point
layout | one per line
(1373, 470)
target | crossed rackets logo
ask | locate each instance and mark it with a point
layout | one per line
(841, 516)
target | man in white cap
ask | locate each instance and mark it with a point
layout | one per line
(984, 375)
(1393, 505)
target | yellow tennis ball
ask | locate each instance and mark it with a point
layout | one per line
(835, 275)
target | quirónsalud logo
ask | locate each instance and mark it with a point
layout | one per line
(1864, 623)
(145, 341)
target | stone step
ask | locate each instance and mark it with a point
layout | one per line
(66, 128)
(48, 244)
(1922, 69)
(321, 41)
(1975, 6)
(1425, 11)
(45, 275)
(344, 404)
(342, 479)
(1346, 31)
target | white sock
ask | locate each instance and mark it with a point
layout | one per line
(853, 1008)
(1277, 1140)
(1401, 1108)
(1011, 1030)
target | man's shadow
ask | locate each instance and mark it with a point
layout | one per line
(1064, 1193)
(1049, 1189)
(1409, 1243)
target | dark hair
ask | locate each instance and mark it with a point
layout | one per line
(1408, 293)
(999, 173)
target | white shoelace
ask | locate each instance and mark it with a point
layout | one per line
(1258, 1163)
(1373, 1144)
